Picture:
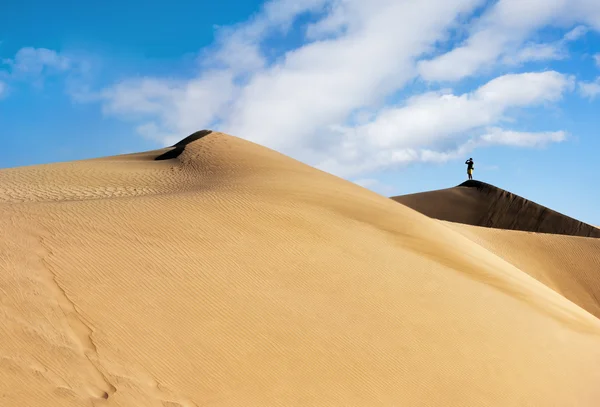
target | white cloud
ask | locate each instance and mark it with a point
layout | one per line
(590, 89)
(35, 61)
(425, 117)
(414, 131)
(177, 107)
(498, 136)
(576, 33)
(356, 56)
(238, 48)
(492, 136)
(537, 52)
(502, 30)
(33, 66)
(556, 50)
(526, 88)
(309, 88)
(597, 59)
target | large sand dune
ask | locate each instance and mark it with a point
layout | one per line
(231, 275)
(480, 204)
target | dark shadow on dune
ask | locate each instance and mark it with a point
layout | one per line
(480, 204)
(180, 146)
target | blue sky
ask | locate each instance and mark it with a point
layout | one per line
(394, 95)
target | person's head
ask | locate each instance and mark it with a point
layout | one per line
(471, 158)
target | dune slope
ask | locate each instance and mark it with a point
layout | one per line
(233, 275)
(480, 204)
(569, 265)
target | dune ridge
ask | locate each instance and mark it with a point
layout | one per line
(230, 274)
(480, 204)
(570, 265)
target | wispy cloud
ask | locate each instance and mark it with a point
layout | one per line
(576, 33)
(418, 130)
(501, 32)
(35, 61)
(536, 52)
(590, 89)
(327, 101)
(498, 136)
(556, 50)
(34, 66)
(308, 88)
(2, 89)
(492, 136)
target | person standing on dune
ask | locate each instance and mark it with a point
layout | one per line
(470, 167)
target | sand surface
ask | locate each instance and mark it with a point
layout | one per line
(232, 275)
(480, 204)
(569, 265)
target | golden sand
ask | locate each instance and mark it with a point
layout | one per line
(232, 275)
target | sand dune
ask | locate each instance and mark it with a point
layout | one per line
(232, 275)
(480, 204)
(569, 265)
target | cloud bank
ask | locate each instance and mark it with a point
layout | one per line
(368, 87)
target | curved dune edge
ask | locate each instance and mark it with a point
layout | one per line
(480, 204)
(569, 265)
(233, 275)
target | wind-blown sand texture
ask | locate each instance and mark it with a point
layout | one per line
(570, 265)
(480, 204)
(231, 275)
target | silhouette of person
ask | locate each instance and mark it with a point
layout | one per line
(470, 168)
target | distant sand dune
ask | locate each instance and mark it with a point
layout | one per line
(232, 275)
(480, 204)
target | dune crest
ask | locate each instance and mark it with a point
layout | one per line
(229, 274)
(479, 204)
